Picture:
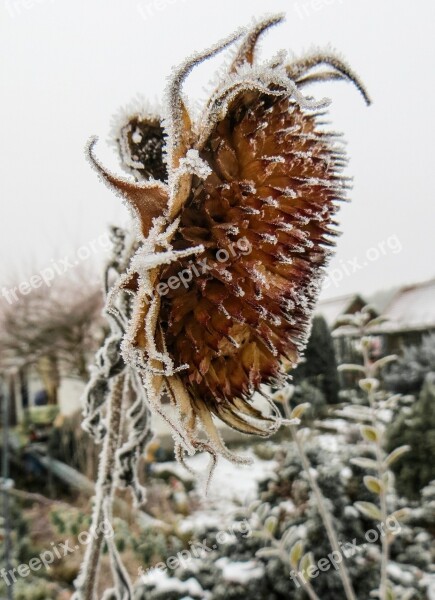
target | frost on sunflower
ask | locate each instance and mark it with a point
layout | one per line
(257, 165)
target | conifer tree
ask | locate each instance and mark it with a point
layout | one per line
(320, 367)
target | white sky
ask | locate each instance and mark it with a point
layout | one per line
(68, 67)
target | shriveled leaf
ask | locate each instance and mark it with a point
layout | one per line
(373, 484)
(299, 410)
(369, 510)
(395, 454)
(296, 554)
(364, 463)
(370, 434)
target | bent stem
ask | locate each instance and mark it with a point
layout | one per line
(87, 581)
(324, 513)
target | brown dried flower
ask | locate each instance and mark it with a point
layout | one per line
(235, 215)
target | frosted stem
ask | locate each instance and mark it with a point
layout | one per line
(382, 503)
(383, 588)
(324, 513)
(88, 578)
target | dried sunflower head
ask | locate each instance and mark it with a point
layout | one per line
(235, 222)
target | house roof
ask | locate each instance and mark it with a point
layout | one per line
(334, 308)
(412, 308)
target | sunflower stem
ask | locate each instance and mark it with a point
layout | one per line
(88, 579)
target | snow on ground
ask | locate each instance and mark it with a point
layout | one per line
(429, 580)
(240, 572)
(232, 486)
(164, 583)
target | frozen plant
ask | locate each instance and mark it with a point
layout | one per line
(289, 549)
(234, 216)
(380, 479)
(408, 373)
(298, 562)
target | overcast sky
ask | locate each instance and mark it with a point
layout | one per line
(68, 67)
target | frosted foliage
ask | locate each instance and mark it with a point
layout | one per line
(194, 164)
(164, 151)
(133, 303)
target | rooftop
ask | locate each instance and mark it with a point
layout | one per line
(412, 308)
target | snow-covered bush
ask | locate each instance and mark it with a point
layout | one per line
(408, 373)
(415, 426)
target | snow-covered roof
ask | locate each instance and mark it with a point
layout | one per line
(334, 308)
(412, 308)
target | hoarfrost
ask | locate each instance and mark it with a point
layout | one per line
(194, 164)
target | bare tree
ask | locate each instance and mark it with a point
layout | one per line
(54, 329)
